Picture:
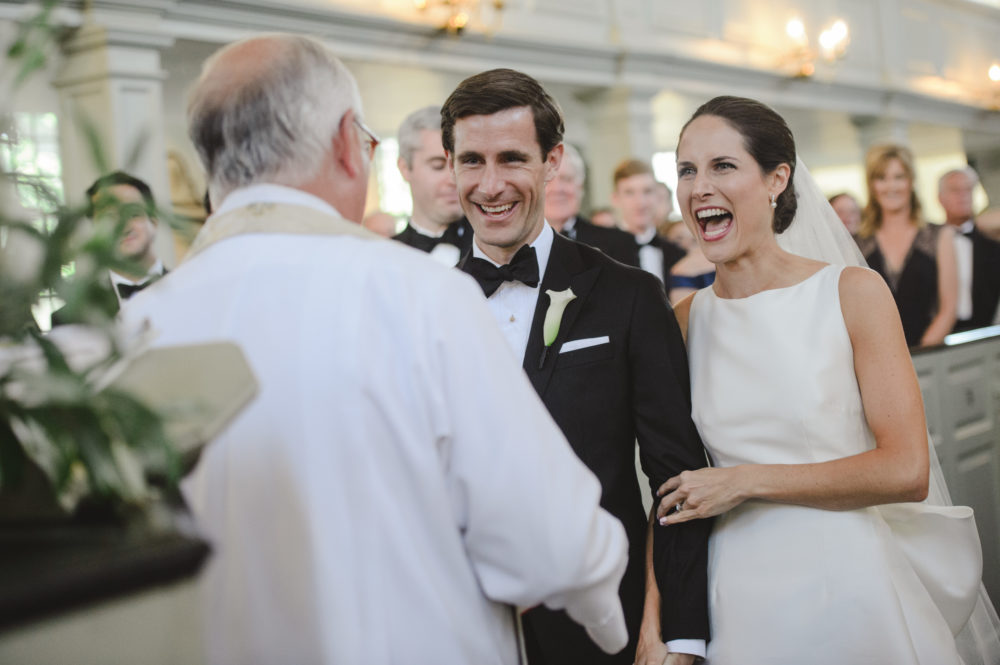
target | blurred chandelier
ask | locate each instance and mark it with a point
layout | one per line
(457, 13)
(994, 75)
(833, 43)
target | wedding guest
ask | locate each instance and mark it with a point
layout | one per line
(436, 225)
(375, 503)
(563, 195)
(604, 216)
(693, 271)
(806, 397)
(380, 222)
(977, 255)
(121, 199)
(664, 207)
(597, 340)
(916, 259)
(635, 196)
(848, 210)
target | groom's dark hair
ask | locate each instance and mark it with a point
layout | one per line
(498, 90)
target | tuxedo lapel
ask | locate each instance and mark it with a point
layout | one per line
(565, 269)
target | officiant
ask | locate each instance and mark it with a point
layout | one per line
(373, 504)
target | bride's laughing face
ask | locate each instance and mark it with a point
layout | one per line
(724, 197)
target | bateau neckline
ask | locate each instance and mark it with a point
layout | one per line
(777, 289)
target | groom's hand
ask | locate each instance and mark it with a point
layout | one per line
(679, 659)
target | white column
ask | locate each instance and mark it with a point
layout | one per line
(620, 124)
(111, 90)
(986, 157)
(874, 130)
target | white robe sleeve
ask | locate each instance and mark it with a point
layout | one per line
(528, 507)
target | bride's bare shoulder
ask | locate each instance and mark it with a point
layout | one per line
(866, 302)
(858, 283)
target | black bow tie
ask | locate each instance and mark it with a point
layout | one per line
(522, 268)
(126, 291)
(424, 243)
(451, 236)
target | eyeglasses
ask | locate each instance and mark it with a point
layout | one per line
(372, 139)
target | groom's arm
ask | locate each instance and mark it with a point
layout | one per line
(669, 444)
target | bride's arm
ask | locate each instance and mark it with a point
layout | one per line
(896, 470)
(681, 311)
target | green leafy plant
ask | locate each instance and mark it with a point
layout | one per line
(66, 437)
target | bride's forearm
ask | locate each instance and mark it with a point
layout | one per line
(871, 478)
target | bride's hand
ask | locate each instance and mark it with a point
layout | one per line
(650, 652)
(699, 494)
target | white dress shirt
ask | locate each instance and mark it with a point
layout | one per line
(376, 502)
(444, 253)
(156, 270)
(963, 257)
(569, 228)
(513, 304)
(650, 257)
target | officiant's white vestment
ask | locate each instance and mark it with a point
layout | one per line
(396, 485)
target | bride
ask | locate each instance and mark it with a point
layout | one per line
(805, 395)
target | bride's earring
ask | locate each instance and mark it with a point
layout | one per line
(774, 201)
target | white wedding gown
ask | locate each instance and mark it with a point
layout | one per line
(773, 382)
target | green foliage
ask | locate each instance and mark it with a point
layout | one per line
(90, 442)
(35, 36)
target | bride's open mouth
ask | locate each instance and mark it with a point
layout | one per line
(714, 223)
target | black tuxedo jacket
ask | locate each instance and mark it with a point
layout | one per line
(458, 234)
(985, 281)
(671, 254)
(102, 294)
(616, 243)
(604, 397)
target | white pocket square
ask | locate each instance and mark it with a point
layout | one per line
(583, 343)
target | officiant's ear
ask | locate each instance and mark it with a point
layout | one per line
(347, 147)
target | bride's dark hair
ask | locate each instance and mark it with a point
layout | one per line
(766, 137)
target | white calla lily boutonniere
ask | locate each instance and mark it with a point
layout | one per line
(553, 317)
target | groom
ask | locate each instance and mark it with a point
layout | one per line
(610, 366)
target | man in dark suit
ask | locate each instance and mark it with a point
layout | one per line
(635, 196)
(597, 340)
(436, 225)
(977, 255)
(120, 198)
(563, 195)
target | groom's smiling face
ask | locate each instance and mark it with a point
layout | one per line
(501, 175)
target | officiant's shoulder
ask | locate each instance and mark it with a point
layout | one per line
(406, 264)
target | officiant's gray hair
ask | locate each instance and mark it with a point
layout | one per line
(270, 113)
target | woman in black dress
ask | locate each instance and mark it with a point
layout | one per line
(916, 259)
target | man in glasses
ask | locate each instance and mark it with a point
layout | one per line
(372, 504)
